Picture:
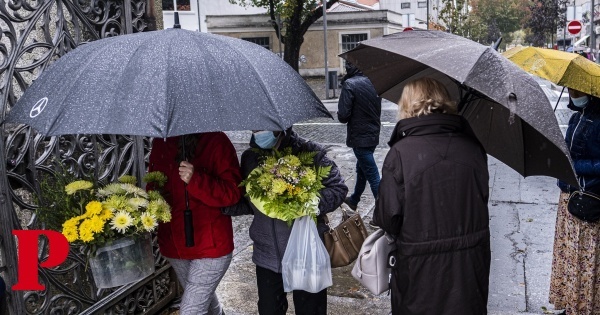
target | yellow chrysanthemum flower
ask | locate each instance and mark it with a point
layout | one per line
(148, 221)
(121, 221)
(279, 186)
(78, 185)
(85, 231)
(70, 233)
(96, 224)
(106, 214)
(116, 203)
(71, 223)
(161, 209)
(93, 208)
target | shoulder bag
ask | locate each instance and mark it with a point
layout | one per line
(584, 205)
(373, 266)
(344, 241)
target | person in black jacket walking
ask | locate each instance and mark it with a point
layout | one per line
(359, 107)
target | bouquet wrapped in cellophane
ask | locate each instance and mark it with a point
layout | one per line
(113, 211)
(286, 186)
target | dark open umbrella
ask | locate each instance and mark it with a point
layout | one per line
(166, 83)
(506, 108)
(163, 84)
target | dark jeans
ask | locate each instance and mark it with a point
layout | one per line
(366, 170)
(272, 300)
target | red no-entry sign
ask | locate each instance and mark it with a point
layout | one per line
(407, 29)
(574, 27)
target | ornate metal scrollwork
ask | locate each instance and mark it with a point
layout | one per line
(34, 34)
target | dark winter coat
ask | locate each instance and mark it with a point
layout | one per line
(433, 197)
(583, 141)
(359, 106)
(270, 236)
(213, 185)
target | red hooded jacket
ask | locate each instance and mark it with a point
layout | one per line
(213, 185)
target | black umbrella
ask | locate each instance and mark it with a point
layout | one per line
(166, 83)
(506, 108)
(163, 84)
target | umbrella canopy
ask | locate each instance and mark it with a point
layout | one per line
(166, 83)
(562, 68)
(508, 111)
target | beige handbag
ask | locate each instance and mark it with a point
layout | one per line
(372, 268)
(345, 240)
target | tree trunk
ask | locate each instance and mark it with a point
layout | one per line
(292, 49)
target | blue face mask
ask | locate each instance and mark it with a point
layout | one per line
(265, 139)
(580, 102)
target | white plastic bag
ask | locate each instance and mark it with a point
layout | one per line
(306, 265)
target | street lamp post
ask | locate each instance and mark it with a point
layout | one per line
(592, 31)
(427, 14)
(325, 48)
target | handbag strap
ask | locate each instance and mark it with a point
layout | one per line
(583, 192)
(345, 217)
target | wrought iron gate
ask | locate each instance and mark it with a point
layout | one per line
(34, 33)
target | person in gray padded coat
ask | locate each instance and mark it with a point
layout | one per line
(270, 236)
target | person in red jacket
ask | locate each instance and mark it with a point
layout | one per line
(210, 173)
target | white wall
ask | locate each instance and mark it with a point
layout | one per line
(189, 19)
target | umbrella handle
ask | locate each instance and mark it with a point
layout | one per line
(188, 225)
(559, 97)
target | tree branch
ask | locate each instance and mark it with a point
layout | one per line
(314, 16)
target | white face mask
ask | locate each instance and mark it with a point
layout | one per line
(580, 102)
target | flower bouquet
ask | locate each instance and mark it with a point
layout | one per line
(113, 223)
(286, 186)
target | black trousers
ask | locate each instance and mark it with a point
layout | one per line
(272, 300)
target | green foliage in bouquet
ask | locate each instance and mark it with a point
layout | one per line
(94, 216)
(286, 186)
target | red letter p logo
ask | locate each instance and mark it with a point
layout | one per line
(58, 249)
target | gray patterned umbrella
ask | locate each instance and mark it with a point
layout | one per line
(508, 111)
(166, 83)
(163, 84)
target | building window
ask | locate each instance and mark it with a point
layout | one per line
(422, 4)
(349, 41)
(181, 5)
(405, 5)
(261, 41)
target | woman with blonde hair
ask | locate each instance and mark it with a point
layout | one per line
(433, 198)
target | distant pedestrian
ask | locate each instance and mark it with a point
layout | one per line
(574, 284)
(433, 198)
(270, 236)
(210, 173)
(359, 107)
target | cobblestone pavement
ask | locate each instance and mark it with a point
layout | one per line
(522, 215)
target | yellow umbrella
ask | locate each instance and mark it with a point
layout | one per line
(562, 68)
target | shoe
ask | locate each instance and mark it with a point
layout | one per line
(350, 204)
(373, 225)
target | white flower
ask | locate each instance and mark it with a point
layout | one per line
(137, 203)
(135, 190)
(149, 221)
(121, 221)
